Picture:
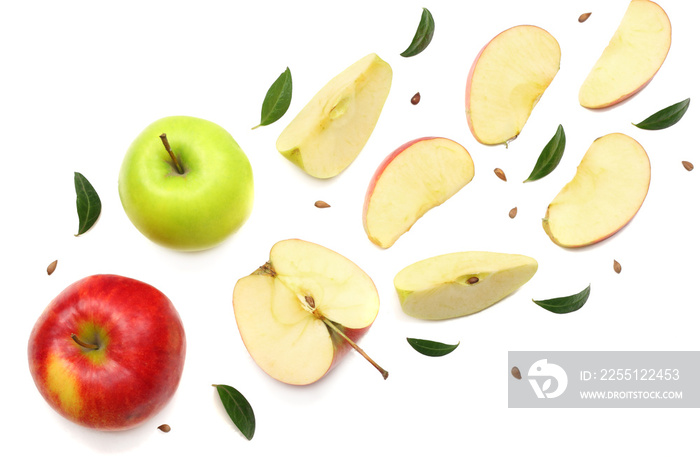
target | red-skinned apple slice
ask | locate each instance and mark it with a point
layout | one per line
(609, 187)
(506, 81)
(634, 55)
(301, 312)
(413, 179)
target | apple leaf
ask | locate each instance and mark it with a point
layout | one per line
(424, 34)
(238, 409)
(277, 99)
(565, 304)
(662, 119)
(87, 202)
(431, 348)
(550, 157)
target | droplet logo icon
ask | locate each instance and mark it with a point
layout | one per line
(540, 376)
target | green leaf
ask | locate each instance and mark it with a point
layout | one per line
(277, 99)
(431, 348)
(424, 34)
(669, 116)
(87, 202)
(238, 409)
(550, 157)
(565, 304)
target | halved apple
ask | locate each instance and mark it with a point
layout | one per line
(506, 81)
(301, 312)
(331, 130)
(413, 179)
(460, 283)
(609, 187)
(634, 55)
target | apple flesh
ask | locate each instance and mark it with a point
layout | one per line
(634, 55)
(461, 283)
(609, 187)
(506, 81)
(108, 352)
(413, 179)
(331, 130)
(301, 312)
(198, 208)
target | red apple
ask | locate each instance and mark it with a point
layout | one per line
(108, 352)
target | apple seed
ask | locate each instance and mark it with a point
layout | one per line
(584, 17)
(52, 266)
(617, 267)
(472, 280)
(164, 428)
(513, 212)
(499, 173)
(416, 98)
(516, 372)
(310, 301)
(688, 166)
(322, 204)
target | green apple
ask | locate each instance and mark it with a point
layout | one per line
(186, 184)
(331, 130)
(460, 283)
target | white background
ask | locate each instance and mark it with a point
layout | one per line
(81, 79)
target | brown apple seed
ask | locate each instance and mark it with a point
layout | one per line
(416, 98)
(164, 428)
(688, 166)
(499, 173)
(617, 267)
(513, 212)
(516, 372)
(322, 204)
(584, 17)
(310, 301)
(473, 280)
(52, 266)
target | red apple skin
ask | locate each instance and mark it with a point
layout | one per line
(380, 170)
(138, 367)
(468, 92)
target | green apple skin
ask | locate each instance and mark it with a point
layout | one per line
(195, 210)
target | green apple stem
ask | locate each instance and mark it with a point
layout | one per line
(82, 343)
(178, 167)
(333, 327)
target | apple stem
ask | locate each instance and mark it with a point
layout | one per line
(82, 343)
(178, 167)
(330, 324)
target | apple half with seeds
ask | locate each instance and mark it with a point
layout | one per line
(413, 179)
(634, 55)
(506, 81)
(609, 187)
(330, 131)
(460, 283)
(303, 310)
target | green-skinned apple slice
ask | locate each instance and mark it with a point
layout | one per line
(301, 312)
(331, 130)
(460, 283)
(413, 179)
(506, 81)
(608, 189)
(634, 55)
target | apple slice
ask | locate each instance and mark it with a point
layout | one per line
(461, 283)
(302, 311)
(506, 81)
(608, 189)
(413, 179)
(634, 55)
(331, 130)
